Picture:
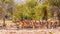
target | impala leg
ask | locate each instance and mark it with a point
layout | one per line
(33, 27)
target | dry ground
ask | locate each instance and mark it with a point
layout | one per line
(38, 31)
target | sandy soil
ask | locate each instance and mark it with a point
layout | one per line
(35, 31)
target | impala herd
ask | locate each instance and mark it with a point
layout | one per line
(38, 24)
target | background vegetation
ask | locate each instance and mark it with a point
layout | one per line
(30, 10)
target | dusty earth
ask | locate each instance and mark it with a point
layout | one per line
(35, 31)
